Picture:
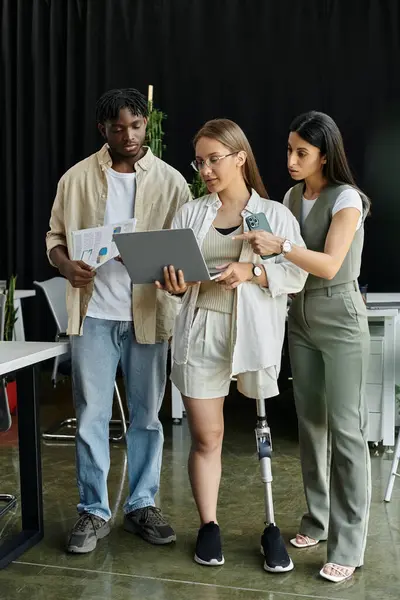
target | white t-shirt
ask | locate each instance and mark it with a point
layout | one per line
(347, 199)
(112, 294)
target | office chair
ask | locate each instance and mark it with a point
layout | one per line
(55, 292)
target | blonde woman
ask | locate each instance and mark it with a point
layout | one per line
(233, 326)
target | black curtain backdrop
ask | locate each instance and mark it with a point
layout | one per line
(259, 62)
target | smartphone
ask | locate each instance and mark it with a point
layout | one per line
(257, 222)
(214, 274)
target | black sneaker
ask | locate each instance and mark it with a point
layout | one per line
(277, 559)
(150, 524)
(85, 533)
(208, 546)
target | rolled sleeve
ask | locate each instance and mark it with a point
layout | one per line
(283, 276)
(168, 307)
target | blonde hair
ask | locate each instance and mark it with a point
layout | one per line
(233, 137)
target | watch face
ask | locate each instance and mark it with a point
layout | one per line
(257, 271)
(287, 246)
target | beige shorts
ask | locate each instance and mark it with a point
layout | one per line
(207, 371)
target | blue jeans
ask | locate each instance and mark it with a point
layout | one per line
(95, 357)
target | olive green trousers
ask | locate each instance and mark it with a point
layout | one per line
(329, 351)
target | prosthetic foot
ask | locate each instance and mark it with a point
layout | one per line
(277, 559)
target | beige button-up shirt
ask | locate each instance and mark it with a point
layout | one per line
(80, 203)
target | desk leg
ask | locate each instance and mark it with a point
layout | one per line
(389, 401)
(30, 471)
(19, 330)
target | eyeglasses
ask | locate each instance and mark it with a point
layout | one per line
(211, 162)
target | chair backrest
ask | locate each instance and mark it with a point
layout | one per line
(2, 314)
(55, 291)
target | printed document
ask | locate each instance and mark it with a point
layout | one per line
(95, 246)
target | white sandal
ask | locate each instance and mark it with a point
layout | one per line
(341, 570)
(309, 542)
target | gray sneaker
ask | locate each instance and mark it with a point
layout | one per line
(150, 524)
(85, 533)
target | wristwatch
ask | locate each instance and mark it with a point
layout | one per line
(257, 271)
(286, 247)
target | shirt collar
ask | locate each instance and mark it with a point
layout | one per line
(213, 199)
(253, 203)
(251, 206)
(105, 160)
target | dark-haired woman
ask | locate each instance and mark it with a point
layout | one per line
(329, 343)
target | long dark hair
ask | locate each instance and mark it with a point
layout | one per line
(321, 131)
(233, 137)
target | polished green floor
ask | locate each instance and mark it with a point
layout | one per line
(125, 567)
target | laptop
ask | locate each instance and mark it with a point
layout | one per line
(146, 253)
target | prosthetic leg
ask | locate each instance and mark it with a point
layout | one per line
(277, 559)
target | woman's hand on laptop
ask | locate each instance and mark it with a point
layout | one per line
(174, 281)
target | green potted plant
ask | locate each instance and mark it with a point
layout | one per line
(9, 323)
(155, 137)
(11, 312)
(154, 130)
(198, 187)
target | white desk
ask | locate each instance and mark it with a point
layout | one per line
(391, 297)
(18, 355)
(391, 356)
(22, 358)
(383, 297)
(381, 380)
(19, 330)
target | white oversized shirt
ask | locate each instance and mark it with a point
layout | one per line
(260, 312)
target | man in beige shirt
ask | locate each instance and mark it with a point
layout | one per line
(112, 322)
